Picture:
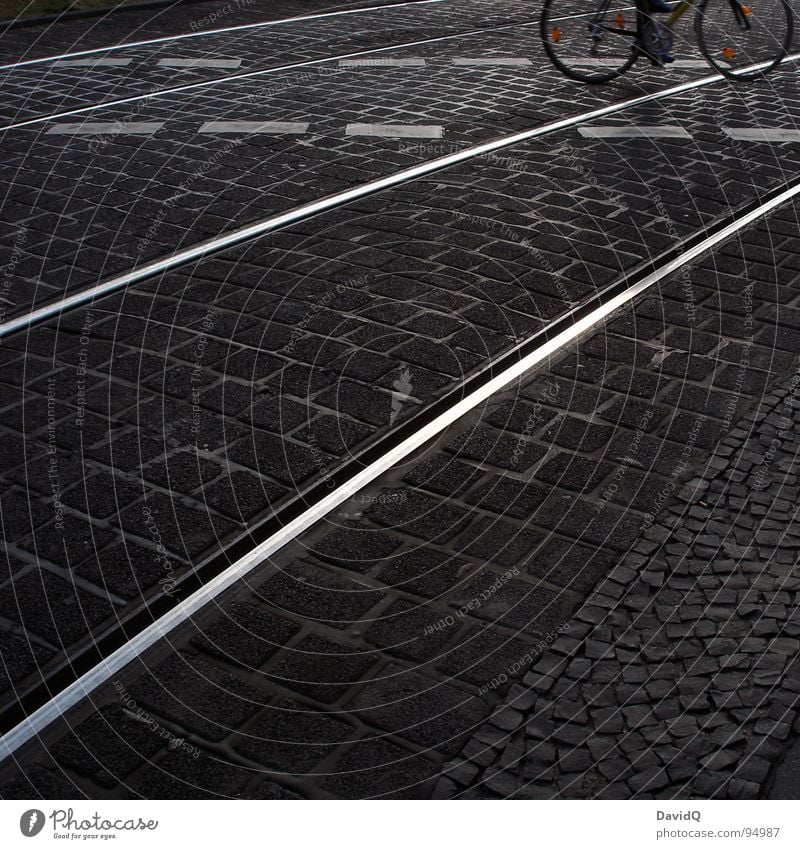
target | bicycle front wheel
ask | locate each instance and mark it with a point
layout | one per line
(590, 40)
(744, 40)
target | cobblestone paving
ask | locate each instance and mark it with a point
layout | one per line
(371, 652)
(37, 41)
(197, 404)
(90, 222)
(48, 88)
(93, 206)
(679, 677)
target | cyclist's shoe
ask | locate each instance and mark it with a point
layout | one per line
(657, 59)
(655, 41)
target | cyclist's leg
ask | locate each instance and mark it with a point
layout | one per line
(655, 39)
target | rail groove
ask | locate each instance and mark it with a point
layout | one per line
(109, 652)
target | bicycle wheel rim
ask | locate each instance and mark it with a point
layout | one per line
(731, 49)
(591, 41)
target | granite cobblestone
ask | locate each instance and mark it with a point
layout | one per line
(638, 671)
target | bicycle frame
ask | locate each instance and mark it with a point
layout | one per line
(740, 12)
(683, 7)
(680, 11)
(604, 20)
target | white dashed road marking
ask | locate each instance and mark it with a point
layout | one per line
(293, 127)
(654, 132)
(762, 134)
(678, 63)
(92, 63)
(396, 131)
(690, 63)
(115, 128)
(199, 63)
(381, 63)
(589, 61)
(496, 60)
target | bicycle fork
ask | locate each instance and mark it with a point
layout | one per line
(742, 14)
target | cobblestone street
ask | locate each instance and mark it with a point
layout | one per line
(304, 506)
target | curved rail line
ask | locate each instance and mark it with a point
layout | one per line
(110, 652)
(314, 208)
(181, 36)
(243, 75)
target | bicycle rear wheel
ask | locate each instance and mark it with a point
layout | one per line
(735, 35)
(590, 40)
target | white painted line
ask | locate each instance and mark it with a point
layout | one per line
(230, 64)
(689, 63)
(497, 60)
(93, 63)
(762, 134)
(112, 128)
(293, 127)
(382, 63)
(184, 611)
(302, 213)
(396, 131)
(634, 132)
(245, 75)
(588, 62)
(678, 63)
(183, 88)
(205, 33)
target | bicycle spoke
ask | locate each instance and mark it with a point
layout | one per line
(590, 40)
(735, 35)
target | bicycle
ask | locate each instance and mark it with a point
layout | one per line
(595, 41)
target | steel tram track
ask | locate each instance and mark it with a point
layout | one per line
(112, 649)
(137, 630)
(245, 75)
(220, 31)
(311, 209)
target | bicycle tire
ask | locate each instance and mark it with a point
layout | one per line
(555, 15)
(713, 30)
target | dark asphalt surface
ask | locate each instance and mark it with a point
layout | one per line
(143, 435)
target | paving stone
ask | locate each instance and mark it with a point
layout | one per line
(409, 705)
(290, 738)
(245, 634)
(650, 780)
(194, 694)
(489, 445)
(492, 539)
(41, 783)
(356, 549)
(308, 591)
(417, 514)
(20, 657)
(181, 775)
(321, 597)
(109, 745)
(39, 595)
